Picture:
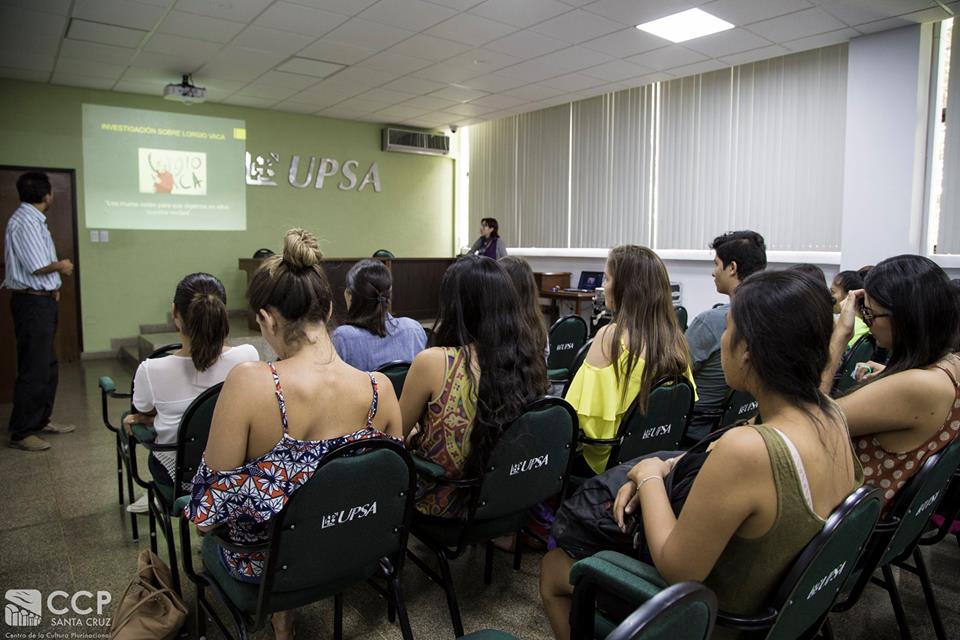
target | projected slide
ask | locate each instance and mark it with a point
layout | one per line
(159, 170)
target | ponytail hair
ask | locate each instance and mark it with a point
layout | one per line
(370, 285)
(201, 303)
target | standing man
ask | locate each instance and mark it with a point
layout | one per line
(33, 275)
(737, 255)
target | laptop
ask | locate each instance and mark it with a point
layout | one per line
(589, 282)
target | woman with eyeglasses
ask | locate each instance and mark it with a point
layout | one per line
(910, 408)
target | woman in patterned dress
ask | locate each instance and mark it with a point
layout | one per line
(274, 422)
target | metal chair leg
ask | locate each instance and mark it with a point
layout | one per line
(338, 616)
(172, 555)
(119, 474)
(928, 594)
(134, 527)
(451, 595)
(152, 520)
(898, 611)
(401, 608)
(517, 551)
(488, 562)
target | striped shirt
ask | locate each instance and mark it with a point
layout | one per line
(28, 247)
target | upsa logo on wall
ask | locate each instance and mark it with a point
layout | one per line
(25, 608)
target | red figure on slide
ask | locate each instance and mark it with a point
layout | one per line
(164, 183)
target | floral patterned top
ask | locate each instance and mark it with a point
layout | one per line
(247, 498)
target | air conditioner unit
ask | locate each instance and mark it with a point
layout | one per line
(412, 141)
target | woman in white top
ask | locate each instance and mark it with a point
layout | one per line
(163, 388)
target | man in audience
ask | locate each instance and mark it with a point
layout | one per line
(738, 254)
(33, 275)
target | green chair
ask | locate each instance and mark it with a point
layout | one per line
(738, 406)
(566, 336)
(528, 464)
(578, 361)
(108, 390)
(682, 316)
(797, 607)
(383, 253)
(348, 523)
(396, 371)
(661, 428)
(686, 610)
(898, 535)
(861, 351)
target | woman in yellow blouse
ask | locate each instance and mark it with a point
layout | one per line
(644, 339)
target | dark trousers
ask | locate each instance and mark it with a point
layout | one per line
(35, 325)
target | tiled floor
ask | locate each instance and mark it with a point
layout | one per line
(62, 529)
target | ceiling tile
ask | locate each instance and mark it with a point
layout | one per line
(26, 42)
(385, 95)
(78, 50)
(262, 91)
(181, 47)
(616, 70)
(365, 76)
(572, 82)
(741, 12)
(628, 42)
(577, 26)
(292, 106)
(339, 52)
(430, 103)
(727, 42)
(483, 60)
(447, 117)
(469, 29)
(299, 19)
(364, 33)
(105, 34)
(573, 59)
(237, 63)
(24, 74)
(928, 15)
(698, 67)
(856, 12)
(667, 57)
(286, 80)
(237, 10)
(136, 15)
(765, 53)
(520, 14)
(531, 92)
(447, 73)
(346, 7)
(15, 21)
(469, 109)
(796, 25)
(175, 65)
(57, 7)
(318, 101)
(330, 91)
(272, 40)
(414, 15)
(249, 101)
(460, 5)
(526, 44)
(189, 25)
(400, 112)
(413, 85)
(530, 71)
(395, 63)
(361, 105)
(308, 67)
(822, 40)
(131, 86)
(631, 12)
(153, 77)
(72, 66)
(492, 83)
(429, 47)
(499, 101)
(460, 94)
(77, 80)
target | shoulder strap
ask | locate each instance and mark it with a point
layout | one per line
(950, 375)
(372, 412)
(279, 391)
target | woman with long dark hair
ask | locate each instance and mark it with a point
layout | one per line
(642, 343)
(910, 408)
(482, 371)
(521, 275)
(370, 336)
(763, 491)
(163, 388)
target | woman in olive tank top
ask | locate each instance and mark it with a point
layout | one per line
(764, 491)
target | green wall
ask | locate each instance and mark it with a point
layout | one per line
(130, 280)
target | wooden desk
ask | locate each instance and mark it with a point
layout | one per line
(577, 297)
(547, 281)
(416, 284)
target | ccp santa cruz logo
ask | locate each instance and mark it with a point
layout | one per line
(26, 608)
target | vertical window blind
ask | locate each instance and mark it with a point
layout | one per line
(948, 234)
(673, 164)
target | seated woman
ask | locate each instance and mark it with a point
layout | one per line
(763, 492)
(163, 388)
(521, 275)
(483, 372)
(287, 414)
(909, 409)
(643, 339)
(843, 284)
(370, 337)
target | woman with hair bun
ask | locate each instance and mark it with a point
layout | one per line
(163, 388)
(276, 420)
(371, 337)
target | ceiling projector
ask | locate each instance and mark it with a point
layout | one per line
(185, 92)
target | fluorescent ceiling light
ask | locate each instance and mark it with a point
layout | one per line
(686, 25)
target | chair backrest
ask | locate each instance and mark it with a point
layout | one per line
(918, 500)
(353, 511)
(578, 362)
(396, 371)
(165, 350)
(192, 437)
(949, 511)
(662, 426)
(383, 253)
(861, 351)
(685, 610)
(812, 583)
(530, 461)
(566, 336)
(682, 316)
(739, 405)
